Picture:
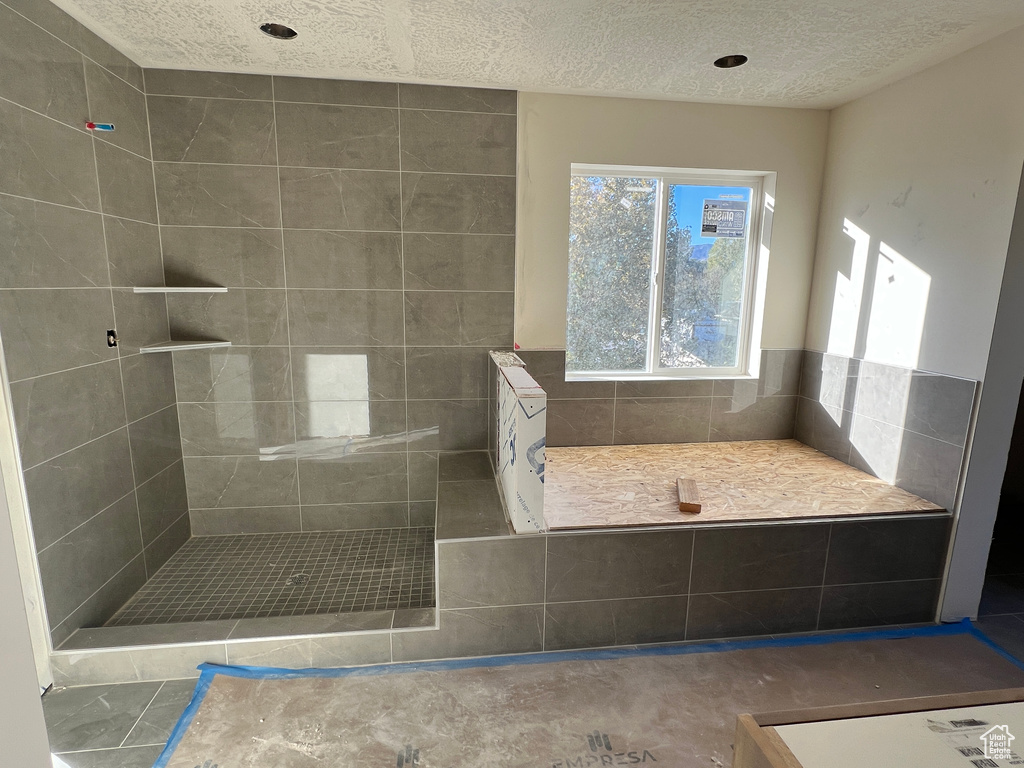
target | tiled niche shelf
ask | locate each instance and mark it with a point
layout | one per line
(181, 346)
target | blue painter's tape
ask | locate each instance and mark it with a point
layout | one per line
(548, 657)
(982, 637)
(205, 679)
(209, 671)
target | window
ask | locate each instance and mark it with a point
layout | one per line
(661, 272)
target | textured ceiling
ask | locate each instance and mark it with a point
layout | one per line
(811, 53)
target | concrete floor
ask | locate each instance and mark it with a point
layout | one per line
(1001, 614)
(680, 708)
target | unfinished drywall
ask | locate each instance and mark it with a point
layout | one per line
(556, 130)
(921, 181)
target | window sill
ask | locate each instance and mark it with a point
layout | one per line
(648, 377)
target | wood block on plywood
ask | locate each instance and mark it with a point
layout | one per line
(689, 496)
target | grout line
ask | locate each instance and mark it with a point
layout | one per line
(120, 365)
(100, 589)
(657, 597)
(141, 715)
(689, 586)
(101, 437)
(299, 229)
(72, 47)
(111, 749)
(109, 215)
(331, 168)
(268, 288)
(395, 107)
(711, 413)
(544, 599)
(78, 129)
(86, 522)
(260, 288)
(65, 370)
(162, 532)
(97, 135)
(287, 311)
(163, 279)
(263, 288)
(615, 405)
(405, 348)
(261, 228)
(81, 131)
(824, 575)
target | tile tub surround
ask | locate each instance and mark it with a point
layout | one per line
(635, 485)
(907, 427)
(500, 593)
(365, 232)
(621, 588)
(596, 588)
(668, 411)
(96, 426)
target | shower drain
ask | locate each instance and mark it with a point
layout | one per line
(297, 579)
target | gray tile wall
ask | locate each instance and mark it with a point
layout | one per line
(907, 427)
(683, 411)
(97, 427)
(559, 591)
(366, 234)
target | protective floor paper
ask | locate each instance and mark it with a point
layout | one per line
(670, 706)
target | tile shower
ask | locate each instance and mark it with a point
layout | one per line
(365, 235)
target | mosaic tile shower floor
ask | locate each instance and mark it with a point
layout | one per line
(287, 574)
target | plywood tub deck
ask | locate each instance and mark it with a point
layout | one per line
(635, 485)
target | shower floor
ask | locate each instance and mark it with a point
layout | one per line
(287, 574)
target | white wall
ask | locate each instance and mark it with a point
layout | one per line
(929, 166)
(22, 732)
(993, 434)
(556, 130)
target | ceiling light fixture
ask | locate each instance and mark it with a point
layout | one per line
(728, 62)
(279, 31)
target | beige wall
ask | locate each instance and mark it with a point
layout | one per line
(929, 166)
(556, 130)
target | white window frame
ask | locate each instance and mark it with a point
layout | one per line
(748, 352)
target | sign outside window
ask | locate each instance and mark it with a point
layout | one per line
(724, 218)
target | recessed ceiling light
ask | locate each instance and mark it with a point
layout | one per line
(280, 31)
(728, 62)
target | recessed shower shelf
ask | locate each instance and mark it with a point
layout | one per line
(180, 346)
(180, 289)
